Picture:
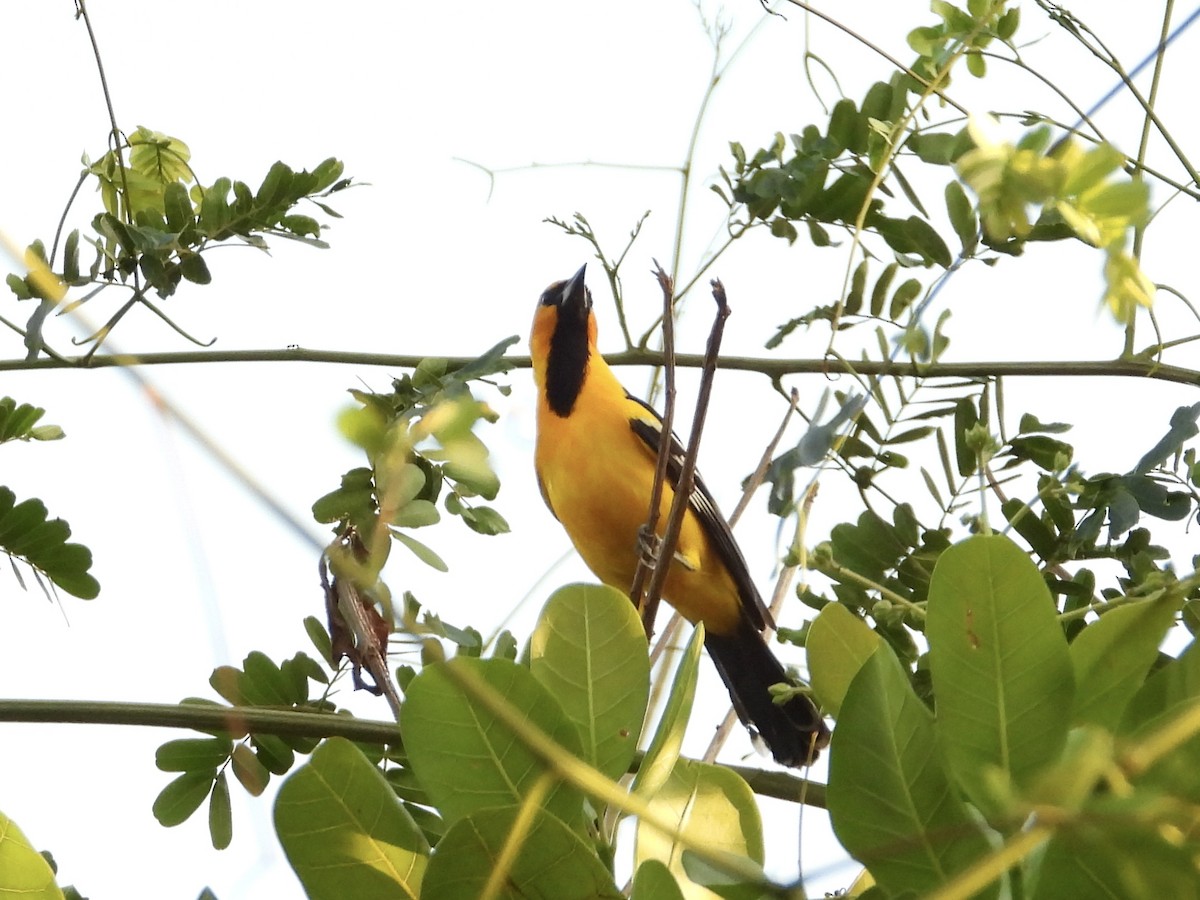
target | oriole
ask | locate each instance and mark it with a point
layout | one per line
(596, 452)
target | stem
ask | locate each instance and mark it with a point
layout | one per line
(651, 555)
(772, 368)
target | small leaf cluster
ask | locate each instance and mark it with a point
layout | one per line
(829, 178)
(158, 223)
(419, 441)
(879, 567)
(961, 31)
(26, 532)
(204, 763)
(483, 793)
(1079, 758)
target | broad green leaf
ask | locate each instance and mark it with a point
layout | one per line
(663, 752)
(891, 800)
(1103, 856)
(1170, 694)
(1173, 687)
(466, 758)
(345, 833)
(24, 873)
(1112, 656)
(1000, 665)
(654, 881)
(838, 645)
(552, 862)
(178, 800)
(589, 650)
(708, 805)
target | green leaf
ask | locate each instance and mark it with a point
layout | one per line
(904, 295)
(319, 635)
(423, 553)
(19, 286)
(1000, 666)
(891, 800)
(193, 754)
(262, 683)
(589, 650)
(1104, 855)
(661, 755)
(707, 805)
(345, 833)
(654, 881)
(276, 186)
(550, 862)
(1112, 656)
(965, 419)
(220, 816)
(24, 873)
(483, 519)
(962, 217)
(1027, 524)
(178, 800)
(847, 127)
(838, 645)
(879, 292)
(26, 532)
(193, 267)
(465, 757)
(250, 773)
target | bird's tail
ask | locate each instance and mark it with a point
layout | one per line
(793, 731)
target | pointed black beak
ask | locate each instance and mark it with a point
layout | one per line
(575, 295)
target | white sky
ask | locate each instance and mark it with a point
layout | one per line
(195, 574)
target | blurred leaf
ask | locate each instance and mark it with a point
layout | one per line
(466, 758)
(654, 881)
(551, 861)
(708, 805)
(24, 873)
(1112, 656)
(663, 752)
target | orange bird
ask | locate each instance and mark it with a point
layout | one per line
(596, 452)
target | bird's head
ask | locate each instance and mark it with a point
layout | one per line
(563, 336)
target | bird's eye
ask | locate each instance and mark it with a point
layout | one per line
(552, 294)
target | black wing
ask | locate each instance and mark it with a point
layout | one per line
(705, 508)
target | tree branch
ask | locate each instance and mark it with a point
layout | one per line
(772, 368)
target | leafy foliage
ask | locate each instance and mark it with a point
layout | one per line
(1008, 722)
(159, 222)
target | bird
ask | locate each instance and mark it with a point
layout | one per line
(595, 457)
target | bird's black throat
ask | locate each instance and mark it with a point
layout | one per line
(567, 362)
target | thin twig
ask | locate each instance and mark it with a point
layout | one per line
(764, 462)
(649, 557)
(683, 489)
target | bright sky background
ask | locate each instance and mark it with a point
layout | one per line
(429, 259)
